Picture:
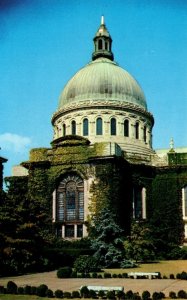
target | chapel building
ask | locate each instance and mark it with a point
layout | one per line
(101, 154)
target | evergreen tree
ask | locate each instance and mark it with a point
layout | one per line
(139, 245)
(106, 239)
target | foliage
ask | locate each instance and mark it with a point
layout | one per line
(42, 290)
(182, 294)
(75, 294)
(158, 296)
(107, 239)
(101, 294)
(11, 287)
(110, 295)
(59, 294)
(49, 293)
(108, 190)
(86, 264)
(127, 264)
(84, 291)
(129, 294)
(139, 245)
(166, 218)
(64, 272)
(172, 295)
(146, 295)
(120, 295)
(20, 233)
(67, 295)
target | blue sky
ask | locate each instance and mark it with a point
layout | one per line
(44, 42)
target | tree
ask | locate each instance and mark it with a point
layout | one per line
(139, 245)
(21, 239)
(106, 239)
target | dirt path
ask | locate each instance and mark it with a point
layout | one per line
(136, 285)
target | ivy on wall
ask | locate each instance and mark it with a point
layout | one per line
(166, 208)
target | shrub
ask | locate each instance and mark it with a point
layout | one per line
(11, 287)
(67, 295)
(20, 290)
(59, 294)
(92, 294)
(111, 295)
(33, 290)
(2, 289)
(74, 274)
(83, 275)
(94, 275)
(136, 296)
(119, 275)
(107, 275)
(157, 296)
(164, 277)
(114, 275)
(125, 275)
(178, 276)
(183, 275)
(172, 276)
(162, 295)
(182, 294)
(64, 272)
(27, 290)
(99, 276)
(84, 291)
(172, 295)
(120, 295)
(49, 293)
(146, 295)
(129, 294)
(101, 294)
(42, 290)
(86, 264)
(75, 294)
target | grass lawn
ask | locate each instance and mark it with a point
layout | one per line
(164, 267)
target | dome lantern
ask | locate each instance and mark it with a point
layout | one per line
(102, 43)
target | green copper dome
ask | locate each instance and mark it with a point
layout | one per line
(102, 79)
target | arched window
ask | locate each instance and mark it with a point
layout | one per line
(137, 130)
(85, 127)
(100, 44)
(145, 134)
(64, 129)
(99, 126)
(70, 203)
(73, 127)
(126, 128)
(113, 126)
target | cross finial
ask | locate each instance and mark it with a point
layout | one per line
(102, 20)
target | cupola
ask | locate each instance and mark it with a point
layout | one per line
(103, 43)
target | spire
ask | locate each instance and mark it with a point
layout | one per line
(102, 43)
(102, 20)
